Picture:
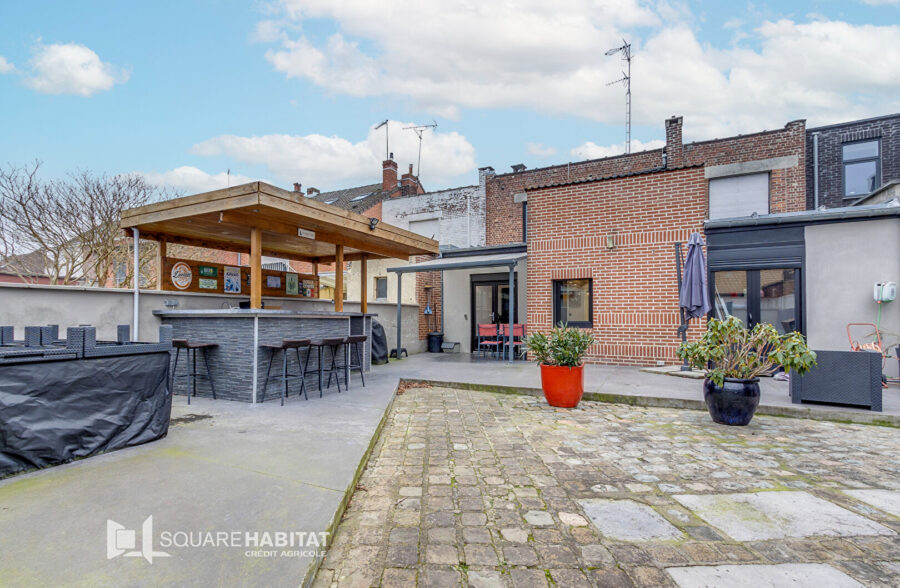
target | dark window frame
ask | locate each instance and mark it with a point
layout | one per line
(846, 162)
(377, 297)
(557, 285)
(525, 222)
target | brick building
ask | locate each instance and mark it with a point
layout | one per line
(601, 234)
(849, 161)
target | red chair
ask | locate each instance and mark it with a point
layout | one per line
(487, 338)
(518, 337)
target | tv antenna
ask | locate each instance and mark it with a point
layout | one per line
(387, 152)
(420, 130)
(625, 50)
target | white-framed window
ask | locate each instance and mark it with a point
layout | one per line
(736, 196)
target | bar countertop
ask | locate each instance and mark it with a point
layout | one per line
(259, 312)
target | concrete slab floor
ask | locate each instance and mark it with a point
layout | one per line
(224, 467)
(762, 576)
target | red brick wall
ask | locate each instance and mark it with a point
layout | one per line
(424, 279)
(635, 306)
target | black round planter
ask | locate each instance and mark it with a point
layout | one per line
(734, 403)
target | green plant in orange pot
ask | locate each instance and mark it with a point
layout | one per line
(560, 355)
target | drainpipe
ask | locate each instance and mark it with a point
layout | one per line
(815, 171)
(468, 223)
(399, 311)
(135, 325)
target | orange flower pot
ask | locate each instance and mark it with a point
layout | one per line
(563, 386)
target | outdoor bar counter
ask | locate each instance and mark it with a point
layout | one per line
(238, 365)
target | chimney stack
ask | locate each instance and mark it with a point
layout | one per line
(310, 192)
(674, 145)
(410, 183)
(519, 167)
(389, 174)
(297, 187)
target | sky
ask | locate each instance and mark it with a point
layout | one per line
(197, 95)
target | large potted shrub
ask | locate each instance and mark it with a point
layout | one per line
(734, 358)
(560, 356)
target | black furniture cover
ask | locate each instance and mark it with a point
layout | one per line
(379, 344)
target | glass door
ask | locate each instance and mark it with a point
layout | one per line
(754, 296)
(490, 302)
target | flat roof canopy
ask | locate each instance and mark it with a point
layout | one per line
(462, 262)
(223, 219)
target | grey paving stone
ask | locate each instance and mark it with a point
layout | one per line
(775, 515)
(627, 520)
(886, 500)
(538, 518)
(762, 576)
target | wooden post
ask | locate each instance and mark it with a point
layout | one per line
(364, 284)
(339, 278)
(315, 270)
(160, 263)
(255, 268)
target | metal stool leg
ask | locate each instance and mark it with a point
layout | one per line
(359, 359)
(193, 370)
(174, 370)
(346, 350)
(284, 377)
(321, 367)
(302, 367)
(332, 370)
(268, 370)
(209, 374)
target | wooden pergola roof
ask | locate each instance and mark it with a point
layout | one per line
(224, 220)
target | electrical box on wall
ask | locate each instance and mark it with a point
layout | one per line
(885, 291)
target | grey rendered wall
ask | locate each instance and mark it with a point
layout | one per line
(23, 305)
(843, 262)
(458, 303)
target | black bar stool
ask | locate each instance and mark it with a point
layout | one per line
(332, 344)
(193, 374)
(353, 343)
(284, 346)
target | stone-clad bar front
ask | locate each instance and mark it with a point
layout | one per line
(238, 365)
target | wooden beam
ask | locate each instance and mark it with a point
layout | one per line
(255, 268)
(339, 278)
(160, 262)
(364, 285)
(223, 246)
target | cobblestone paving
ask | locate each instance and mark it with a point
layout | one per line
(479, 489)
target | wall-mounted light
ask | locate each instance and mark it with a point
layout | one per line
(611, 241)
(373, 222)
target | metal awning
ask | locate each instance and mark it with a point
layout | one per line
(456, 262)
(462, 262)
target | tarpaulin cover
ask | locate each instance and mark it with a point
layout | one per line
(53, 412)
(379, 344)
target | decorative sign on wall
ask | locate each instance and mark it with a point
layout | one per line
(232, 280)
(273, 282)
(207, 271)
(291, 284)
(209, 284)
(182, 276)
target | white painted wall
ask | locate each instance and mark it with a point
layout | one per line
(843, 262)
(24, 305)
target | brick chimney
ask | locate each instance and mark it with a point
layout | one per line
(409, 182)
(297, 187)
(674, 145)
(310, 192)
(389, 174)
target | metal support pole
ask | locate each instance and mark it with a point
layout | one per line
(442, 301)
(399, 310)
(512, 309)
(135, 325)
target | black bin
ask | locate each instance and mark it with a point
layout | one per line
(434, 342)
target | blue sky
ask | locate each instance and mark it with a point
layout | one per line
(290, 90)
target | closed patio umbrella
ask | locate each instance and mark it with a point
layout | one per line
(694, 296)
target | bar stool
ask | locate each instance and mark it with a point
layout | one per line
(193, 374)
(333, 344)
(284, 347)
(353, 342)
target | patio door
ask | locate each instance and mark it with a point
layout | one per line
(490, 301)
(754, 296)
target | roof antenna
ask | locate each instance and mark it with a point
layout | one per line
(420, 130)
(387, 153)
(625, 49)
(228, 181)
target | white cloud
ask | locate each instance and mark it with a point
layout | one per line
(72, 69)
(540, 150)
(590, 150)
(6, 66)
(192, 180)
(548, 57)
(335, 162)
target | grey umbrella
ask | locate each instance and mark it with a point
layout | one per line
(694, 296)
